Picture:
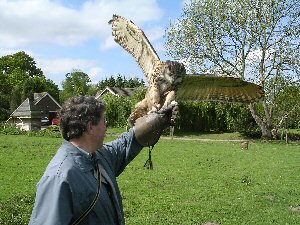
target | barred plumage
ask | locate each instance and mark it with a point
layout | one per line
(168, 80)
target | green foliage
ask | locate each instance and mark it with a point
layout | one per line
(196, 116)
(193, 182)
(93, 90)
(239, 119)
(50, 131)
(287, 113)
(216, 117)
(4, 106)
(11, 129)
(76, 83)
(17, 68)
(118, 110)
(20, 61)
(223, 34)
(52, 89)
(16, 99)
(53, 128)
(254, 40)
(120, 81)
(19, 79)
(8, 128)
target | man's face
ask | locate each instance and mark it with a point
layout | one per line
(99, 131)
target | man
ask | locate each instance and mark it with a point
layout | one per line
(79, 185)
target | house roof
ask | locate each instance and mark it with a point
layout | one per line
(116, 91)
(38, 97)
(27, 109)
(33, 108)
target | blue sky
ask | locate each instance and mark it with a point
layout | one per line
(63, 35)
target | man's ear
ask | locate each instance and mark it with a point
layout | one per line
(89, 127)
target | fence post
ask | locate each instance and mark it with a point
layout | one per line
(171, 131)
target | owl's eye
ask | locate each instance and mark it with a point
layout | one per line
(161, 78)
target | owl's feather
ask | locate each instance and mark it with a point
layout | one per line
(134, 41)
(226, 89)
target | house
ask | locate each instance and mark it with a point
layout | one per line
(116, 91)
(28, 115)
(47, 105)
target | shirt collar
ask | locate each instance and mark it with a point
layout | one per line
(86, 153)
(83, 159)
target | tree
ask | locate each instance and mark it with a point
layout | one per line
(120, 82)
(4, 107)
(76, 83)
(19, 79)
(252, 39)
(287, 113)
(16, 99)
(52, 89)
(16, 68)
(31, 86)
(118, 109)
(111, 82)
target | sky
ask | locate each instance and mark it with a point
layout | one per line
(63, 35)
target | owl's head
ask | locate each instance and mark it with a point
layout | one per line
(169, 75)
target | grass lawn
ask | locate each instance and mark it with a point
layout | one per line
(193, 182)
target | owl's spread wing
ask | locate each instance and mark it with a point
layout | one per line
(134, 41)
(227, 89)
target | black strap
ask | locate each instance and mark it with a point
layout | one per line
(149, 162)
(89, 209)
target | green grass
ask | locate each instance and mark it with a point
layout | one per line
(23, 160)
(193, 182)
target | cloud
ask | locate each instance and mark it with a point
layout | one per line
(59, 34)
(57, 68)
(64, 65)
(108, 43)
(10, 51)
(95, 74)
(47, 21)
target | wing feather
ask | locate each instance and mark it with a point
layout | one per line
(227, 89)
(134, 41)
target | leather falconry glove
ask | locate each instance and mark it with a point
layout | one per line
(149, 128)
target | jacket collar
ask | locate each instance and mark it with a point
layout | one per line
(83, 160)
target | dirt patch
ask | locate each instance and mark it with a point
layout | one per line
(295, 209)
(270, 197)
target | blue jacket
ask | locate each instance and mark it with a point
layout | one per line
(69, 184)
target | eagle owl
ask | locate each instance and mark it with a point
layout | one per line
(168, 80)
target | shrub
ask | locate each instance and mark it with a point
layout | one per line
(239, 119)
(51, 131)
(11, 129)
(7, 128)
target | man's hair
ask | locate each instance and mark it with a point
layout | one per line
(77, 112)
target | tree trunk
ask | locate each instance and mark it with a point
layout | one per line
(265, 130)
